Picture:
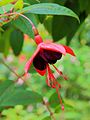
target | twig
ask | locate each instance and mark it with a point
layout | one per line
(4, 9)
(49, 110)
(12, 70)
(15, 13)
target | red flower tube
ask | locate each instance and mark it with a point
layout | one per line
(45, 54)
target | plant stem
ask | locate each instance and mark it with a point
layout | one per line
(11, 70)
(49, 110)
(15, 13)
(4, 9)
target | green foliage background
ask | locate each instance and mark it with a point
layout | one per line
(62, 29)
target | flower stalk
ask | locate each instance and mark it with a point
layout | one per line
(47, 106)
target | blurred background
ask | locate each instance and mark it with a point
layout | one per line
(75, 91)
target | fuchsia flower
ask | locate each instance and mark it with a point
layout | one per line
(45, 54)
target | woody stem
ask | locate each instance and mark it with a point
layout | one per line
(15, 13)
(2, 61)
(47, 106)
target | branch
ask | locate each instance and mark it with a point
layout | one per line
(3, 62)
(49, 110)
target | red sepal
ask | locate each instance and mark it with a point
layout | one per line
(41, 72)
(69, 50)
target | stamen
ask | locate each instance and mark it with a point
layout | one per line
(48, 80)
(59, 96)
(51, 77)
(60, 72)
(55, 85)
(48, 83)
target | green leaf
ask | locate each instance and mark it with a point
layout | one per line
(16, 41)
(68, 26)
(54, 101)
(12, 94)
(49, 8)
(30, 2)
(18, 4)
(47, 118)
(1, 29)
(1, 43)
(88, 7)
(4, 2)
(5, 41)
(84, 32)
(42, 18)
(83, 5)
(24, 25)
(7, 8)
(32, 69)
(48, 23)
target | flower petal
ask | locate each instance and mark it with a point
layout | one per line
(29, 62)
(69, 50)
(53, 47)
(39, 63)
